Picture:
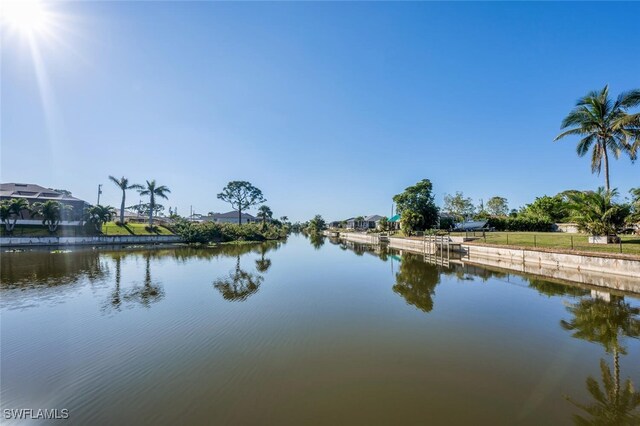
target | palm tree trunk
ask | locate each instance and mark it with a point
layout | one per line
(122, 207)
(239, 216)
(607, 186)
(151, 206)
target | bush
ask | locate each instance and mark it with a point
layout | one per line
(210, 232)
(520, 224)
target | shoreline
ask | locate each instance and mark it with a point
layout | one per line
(608, 270)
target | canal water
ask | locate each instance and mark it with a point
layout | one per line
(308, 331)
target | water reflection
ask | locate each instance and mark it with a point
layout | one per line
(316, 240)
(239, 285)
(607, 322)
(150, 291)
(42, 268)
(263, 264)
(416, 281)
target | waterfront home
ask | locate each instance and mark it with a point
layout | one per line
(38, 194)
(229, 217)
(369, 222)
(394, 222)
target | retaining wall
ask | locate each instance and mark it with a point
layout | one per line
(603, 264)
(79, 241)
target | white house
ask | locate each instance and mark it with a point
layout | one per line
(229, 217)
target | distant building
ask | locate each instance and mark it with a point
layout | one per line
(39, 194)
(228, 217)
(369, 222)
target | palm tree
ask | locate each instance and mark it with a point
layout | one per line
(264, 213)
(51, 213)
(11, 210)
(606, 126)
(153, 191)
(5, 215)
(123, 184)
(594, 211)
(99, 215)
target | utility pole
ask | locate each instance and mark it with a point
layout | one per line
(99, 192)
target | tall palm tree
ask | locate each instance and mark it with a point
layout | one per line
(605, 125)
(153, 190)
(123, 184)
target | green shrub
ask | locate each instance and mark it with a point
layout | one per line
(520, 224)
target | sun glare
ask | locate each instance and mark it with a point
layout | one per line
(28, 17)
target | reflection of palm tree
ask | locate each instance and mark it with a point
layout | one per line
(606, 323)
(115, 296)
(262, 264)
(239, 284)
(416, 281)
(612, 406)
(149, 292)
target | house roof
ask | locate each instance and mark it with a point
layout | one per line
(395, 218)
(373, 218)
(230, 215)
(32, 191)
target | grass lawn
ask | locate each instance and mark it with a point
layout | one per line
(630, 243)
(560, 240)
(133, 229)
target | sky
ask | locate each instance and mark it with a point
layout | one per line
(328, 108)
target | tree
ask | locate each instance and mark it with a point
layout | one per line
(316, 225)
(458, 206)
(241, 195)
(550, 209)
(51, 213)
(410, 222)
(419, 199)
(284, 219)
(383, 224)
(264, 213)
(606, 126)
(98, 215)
(11, 210)
(144, 209)
(124, 185)
(594, 211)
(498, 206)
(153, 191)
(634, 214)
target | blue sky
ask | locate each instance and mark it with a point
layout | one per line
(329, 108)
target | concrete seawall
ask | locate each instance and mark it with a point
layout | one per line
(603, 264)
(620, 272)
(80, 241)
